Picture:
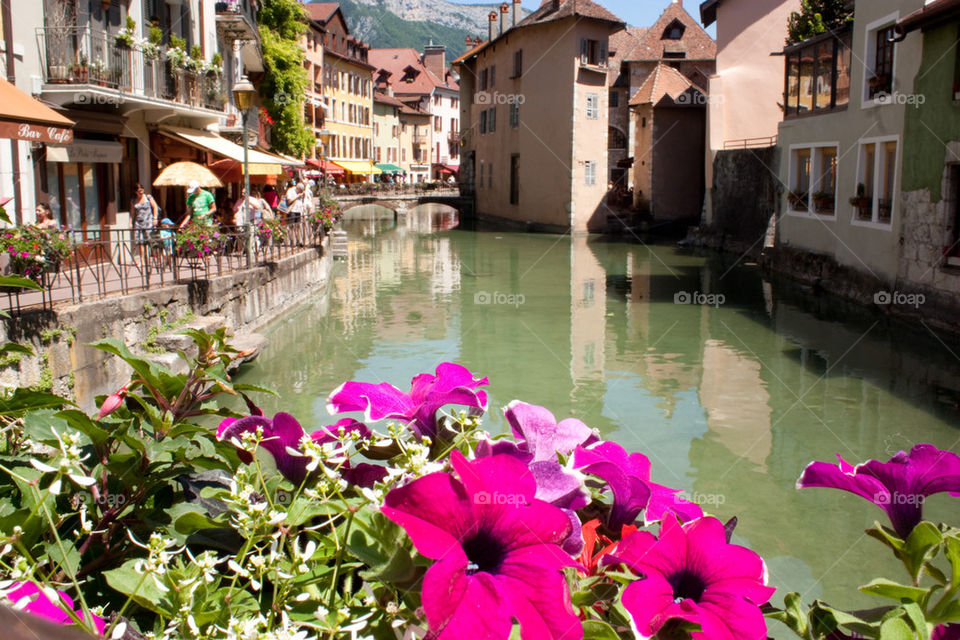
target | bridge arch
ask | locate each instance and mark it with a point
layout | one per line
(386, 204)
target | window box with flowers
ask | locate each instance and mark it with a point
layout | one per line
(824, 202)
(863, 203)
(798, 200)
(34, 252)
(325, 215)
(270, 232)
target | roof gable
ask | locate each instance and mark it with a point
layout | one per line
(694, 43)
(668, 87)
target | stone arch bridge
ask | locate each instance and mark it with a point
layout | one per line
(401, 203)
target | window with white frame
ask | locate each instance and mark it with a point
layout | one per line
(880, 58)
(514, 115)
(590, 173)
(813, 179)
(876, 186)
(593, 106)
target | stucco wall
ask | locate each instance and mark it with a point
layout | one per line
(248, 300)
(678, 147)
(870, 247)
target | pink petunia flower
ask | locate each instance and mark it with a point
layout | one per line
(29, 597)
(691, 573)
(497, 551)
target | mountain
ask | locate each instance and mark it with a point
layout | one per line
(414, 23)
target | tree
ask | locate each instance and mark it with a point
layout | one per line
(283, 90)
(816, 17)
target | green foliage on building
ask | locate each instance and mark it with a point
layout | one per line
(816, 17)
(282, 91)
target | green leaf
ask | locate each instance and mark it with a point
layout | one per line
(887, 537)
(17, 281)
(142, 591)
(896, 629)
(303, 510)
(188, 518)
(68, 559)
(85, 425)
(596, 630)
(399, 568)
(921, 545)
(894, 591)
(23, 400)
(917, 619)
(148, 370)
(952, 551)
(16, 347)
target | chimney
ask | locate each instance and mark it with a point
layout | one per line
(435, 59)
(469, 42)
(504, 8)
(493, 25)
(517, 12)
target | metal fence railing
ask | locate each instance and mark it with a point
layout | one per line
(106, 262)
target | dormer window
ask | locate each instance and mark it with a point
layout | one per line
(674, 31)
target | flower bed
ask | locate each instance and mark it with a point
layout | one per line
(404, 519)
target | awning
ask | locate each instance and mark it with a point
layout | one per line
(209, 141)
(326, 166)
(443, 168)
(88, 151)
(386, 167)
(359, 168)
(229, 167)
(23, 118)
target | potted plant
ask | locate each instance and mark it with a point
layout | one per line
(862, 203)
(325, 215)
(127, 37)
(798, 200)
(99, 72)
(196, 242)
(214, 68)
(34, 251)
(270, 232)
(177, 53)
(58, 43)
(823, 202)
(80, 72)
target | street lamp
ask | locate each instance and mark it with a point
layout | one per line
(243, 93)
(325, 135)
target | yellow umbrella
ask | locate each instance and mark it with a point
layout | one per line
(181, 174)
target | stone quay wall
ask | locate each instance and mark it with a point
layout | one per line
(64, 364)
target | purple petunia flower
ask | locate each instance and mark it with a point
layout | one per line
(496, 549)
(898, 486)
(453, 384)
(628, 477)
(540, 438)
(30, 598)
(691, 573)
(946, 632)
(282, 437)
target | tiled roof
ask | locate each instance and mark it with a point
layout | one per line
(695, 42)
(321, 11)
(552, 10)
(383, 98)
(664, 82)
(397, 62)
(558, 10)
(622, 45)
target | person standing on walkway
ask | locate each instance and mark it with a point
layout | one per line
(45, 218)
(146, 214)
(201, 205)
(270, 196)
(294, 198)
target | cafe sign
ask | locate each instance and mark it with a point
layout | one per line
(35, 132)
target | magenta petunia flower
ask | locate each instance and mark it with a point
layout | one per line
(628, 477)
(692, 573)
(542, 435)
(282, 438)
(946, 632)
(898, 486)
(30, 598)
(496, 548)
(453, 384)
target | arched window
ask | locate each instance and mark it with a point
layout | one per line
(616, 139)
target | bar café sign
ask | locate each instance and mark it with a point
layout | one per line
(35, 133)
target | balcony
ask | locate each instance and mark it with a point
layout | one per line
(420, 139)
(83, 67)
(237, 21)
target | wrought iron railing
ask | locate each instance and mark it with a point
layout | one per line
(108, 262)
(80, 56)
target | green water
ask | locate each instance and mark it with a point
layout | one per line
(729, 402)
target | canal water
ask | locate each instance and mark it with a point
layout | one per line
(728, 383)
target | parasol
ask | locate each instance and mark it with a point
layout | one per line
(181, 174)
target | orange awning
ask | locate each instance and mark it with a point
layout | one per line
(24, 118)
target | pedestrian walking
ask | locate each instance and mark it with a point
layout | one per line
(146, 214)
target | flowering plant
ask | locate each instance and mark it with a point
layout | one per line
(33, 251)
(327, 214)
(270, 231)
(405, 519)
(198, 240)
